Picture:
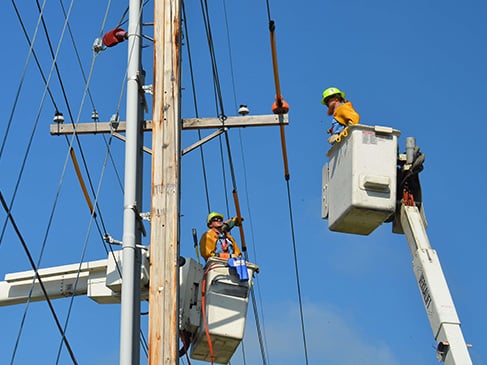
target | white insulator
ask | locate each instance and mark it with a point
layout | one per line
(97, 45)
(58, 117)
(243, 110)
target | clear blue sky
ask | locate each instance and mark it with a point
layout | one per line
(416, 66)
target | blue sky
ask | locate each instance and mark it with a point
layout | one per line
(416, 66)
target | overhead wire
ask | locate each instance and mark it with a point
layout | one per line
(195, 103)
(103, 234)
(260, 328)
(221, 113)
(280, 108)
(31, 139)
(37, 276)
(214, 67)
(29, 144)
(19, 88)
(47, 87)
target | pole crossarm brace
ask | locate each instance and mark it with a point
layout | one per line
(59, 129)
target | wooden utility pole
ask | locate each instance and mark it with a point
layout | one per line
(166, 156)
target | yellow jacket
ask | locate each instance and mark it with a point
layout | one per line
(345, 114)
(208, 244)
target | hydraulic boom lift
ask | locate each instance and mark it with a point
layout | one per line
(367, 183)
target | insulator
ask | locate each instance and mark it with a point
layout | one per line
(114, 121)
(243, 110)
(97, 45)
(58, 117)
(114, 37)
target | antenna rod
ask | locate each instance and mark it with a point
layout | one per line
(130, 296)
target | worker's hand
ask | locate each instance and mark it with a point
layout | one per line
(238, 220)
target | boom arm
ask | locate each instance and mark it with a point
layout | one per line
(443, 318)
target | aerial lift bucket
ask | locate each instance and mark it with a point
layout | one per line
(359, 181)
(225, 305)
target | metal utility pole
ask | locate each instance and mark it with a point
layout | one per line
(130, 296)
(166, 156)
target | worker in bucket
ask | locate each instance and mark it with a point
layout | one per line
(342, 111)
(217, 241)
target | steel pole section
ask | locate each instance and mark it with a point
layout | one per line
(130, 296)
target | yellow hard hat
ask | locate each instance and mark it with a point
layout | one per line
(213, 215)
(331, 91)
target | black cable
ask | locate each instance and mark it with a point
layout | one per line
(216, 80)
(63, 91)
(271, 27)
(297, 270)
(38, 277)
(31, 48)
(190, 60)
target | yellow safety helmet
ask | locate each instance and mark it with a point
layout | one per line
(213, 215)
(330, 92)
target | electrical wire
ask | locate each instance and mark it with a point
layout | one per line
(38, 277)
(279, 102)
(19, 88)
(47, 87)
(221, 113)
(195, 103)
(214, 67)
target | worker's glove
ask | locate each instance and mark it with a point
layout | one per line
(238, 221)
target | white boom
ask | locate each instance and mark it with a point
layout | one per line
(100, 280)
(366, 183)
(443, 318)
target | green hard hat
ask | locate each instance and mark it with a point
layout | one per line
(213, 215)
(331, 91)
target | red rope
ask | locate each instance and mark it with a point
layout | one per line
(203, 310)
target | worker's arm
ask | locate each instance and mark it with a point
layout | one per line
(346, 115)
(232, 222)
(207, 245)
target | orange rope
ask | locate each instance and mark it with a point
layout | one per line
(203, 310)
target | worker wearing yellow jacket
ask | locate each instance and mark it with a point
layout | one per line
(217, 241)
(342, 110)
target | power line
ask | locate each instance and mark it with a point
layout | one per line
(281, 108)
(195, 103)
(220, 111)
(38, 277)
